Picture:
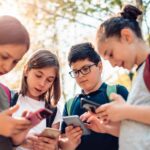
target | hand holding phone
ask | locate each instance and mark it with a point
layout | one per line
(89, 105)
(76, 122)
(50, 133)
(37, 116)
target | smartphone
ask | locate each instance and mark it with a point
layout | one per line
(76, 122)
(50, 133)
(37, 116)
(89, 105)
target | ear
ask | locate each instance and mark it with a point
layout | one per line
(127, 35)
(25, 71)
(100, 66)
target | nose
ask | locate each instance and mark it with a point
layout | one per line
(42, 82)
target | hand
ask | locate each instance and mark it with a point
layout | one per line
(93, 122)
(10, 126)
(74, 136)
(45, 143)
(29, 142)
(114, 111)
(99, 125)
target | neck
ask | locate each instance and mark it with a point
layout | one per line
(143, 51)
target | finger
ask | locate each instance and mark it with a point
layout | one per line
(24, 114)
(83, 116)
(11, 110)
(68, 128)
(102, 108)
(116, 97)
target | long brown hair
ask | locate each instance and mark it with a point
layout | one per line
(42, 59)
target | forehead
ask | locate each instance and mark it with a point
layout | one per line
(80, 63)
(47, 71)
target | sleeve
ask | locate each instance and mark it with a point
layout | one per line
(146, 74)
(63, 125)
(121, 90)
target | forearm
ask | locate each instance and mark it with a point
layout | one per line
(138, 113)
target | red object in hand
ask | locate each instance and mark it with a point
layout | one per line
(37, 116)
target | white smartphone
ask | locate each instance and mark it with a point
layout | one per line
(75, 121)
(50, 132)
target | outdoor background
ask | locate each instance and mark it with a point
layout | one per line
(58, 24)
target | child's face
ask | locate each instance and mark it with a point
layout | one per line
(91, 81)
(39, 81)
(10, 54)
(118, 52)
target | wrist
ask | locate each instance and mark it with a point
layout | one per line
(126, 111)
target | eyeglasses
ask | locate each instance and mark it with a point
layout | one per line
(84, 70)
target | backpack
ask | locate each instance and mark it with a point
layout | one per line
(7, 91)
(49, 120)
(110, 89)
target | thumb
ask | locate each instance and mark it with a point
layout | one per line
(115, 97)
(11, 110)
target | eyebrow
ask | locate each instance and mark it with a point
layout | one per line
(86, 65)
(43, 73)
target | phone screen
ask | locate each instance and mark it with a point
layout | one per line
(89, 105)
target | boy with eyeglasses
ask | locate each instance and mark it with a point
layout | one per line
(86, 68)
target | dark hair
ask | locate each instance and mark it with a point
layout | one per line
(42, 59)
(83, 51)
(13, 32)
(114, 25)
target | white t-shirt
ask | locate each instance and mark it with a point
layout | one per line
(29, 104)
(135, 135)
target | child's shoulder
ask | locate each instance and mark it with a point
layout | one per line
(146, 74)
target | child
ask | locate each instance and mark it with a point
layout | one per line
(119, 40)
(40, 88)
(86, 68)
(14, 43)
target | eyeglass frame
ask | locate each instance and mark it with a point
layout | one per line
(80, 71)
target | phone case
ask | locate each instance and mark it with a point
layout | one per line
(50, 132)
(89, 105)
(38, 115)
(75, 121)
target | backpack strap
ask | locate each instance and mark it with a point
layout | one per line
(70, 103)
(111, 89)
(14, 98)
(7, 91)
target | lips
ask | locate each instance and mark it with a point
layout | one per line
(81, 82)
(38, 90)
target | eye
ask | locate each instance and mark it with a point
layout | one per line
(4, 57)
(38, 76)
(85, 69)
(50, 80)
(15, 62)
(75, 72)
